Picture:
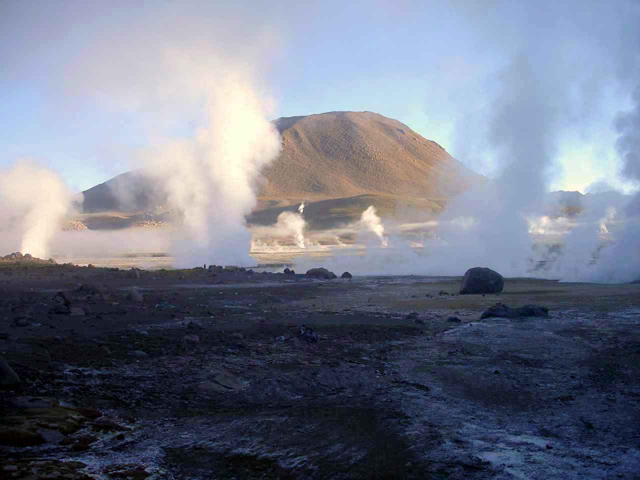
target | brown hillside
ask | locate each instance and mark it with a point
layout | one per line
(333, 155)
(344, 154)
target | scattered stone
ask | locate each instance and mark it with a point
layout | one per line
(281, 338)
(134, 273)
(223, 382)
(107, 425)
(443, 293)
(164, 305)
(346, 275)
(194, 326)
(138, 354)
(35, 420)
(503, 311)
(191, 338)
(61, 298)
(128, 471)
(454, 320)
(287, 271)
(60, 309)
(321, 273)
(412, 316)
(479, 280)
(134, 295)
(419, 320)
(51, 436)
(83, 443)
(8, 377)
(90, 289)
(76, 312)
(18, 257)
(308, 334)
(21, 321)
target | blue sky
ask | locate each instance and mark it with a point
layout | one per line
(69, 102)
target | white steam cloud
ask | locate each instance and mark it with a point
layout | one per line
(210, 179)
(35, 201)
(187, 76)
(292, 223)
(372, 222)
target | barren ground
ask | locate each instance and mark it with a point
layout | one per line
(205, 377)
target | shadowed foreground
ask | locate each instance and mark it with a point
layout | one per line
(198, 374)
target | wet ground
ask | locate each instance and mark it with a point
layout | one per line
(201, 375)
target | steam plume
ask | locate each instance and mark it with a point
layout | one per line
(37, 200)
(373, 223)
(210, 179)
(292, 223)
(620, 262)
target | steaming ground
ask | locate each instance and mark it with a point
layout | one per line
(564, 247)
(197, 375)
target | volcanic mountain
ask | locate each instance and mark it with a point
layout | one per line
(352, 156)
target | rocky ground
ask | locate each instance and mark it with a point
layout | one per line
(198, 374)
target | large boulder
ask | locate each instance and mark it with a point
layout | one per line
(321, 273)
(481, 280)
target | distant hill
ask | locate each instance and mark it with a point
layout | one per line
(345, 154)
(327, 156)
(571, 203)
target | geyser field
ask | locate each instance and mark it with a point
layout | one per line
(200, 278)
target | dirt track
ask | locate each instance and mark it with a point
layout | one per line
(205, 377)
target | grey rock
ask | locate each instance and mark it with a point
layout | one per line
(76, 311)
(479, 280)
(346, 275)
(308, 334)
(321, 273)
(134, 295)
(51, 436)
(138, 354)
(191, 338)
(21, 321)
(454, 320)
(61, 298)
(8, 376)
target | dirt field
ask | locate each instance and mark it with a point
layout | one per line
(200, 375)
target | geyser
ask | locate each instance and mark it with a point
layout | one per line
(36, 201)
(209, 180)
(372, 222)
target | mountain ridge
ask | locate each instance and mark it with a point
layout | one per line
(325, 156)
